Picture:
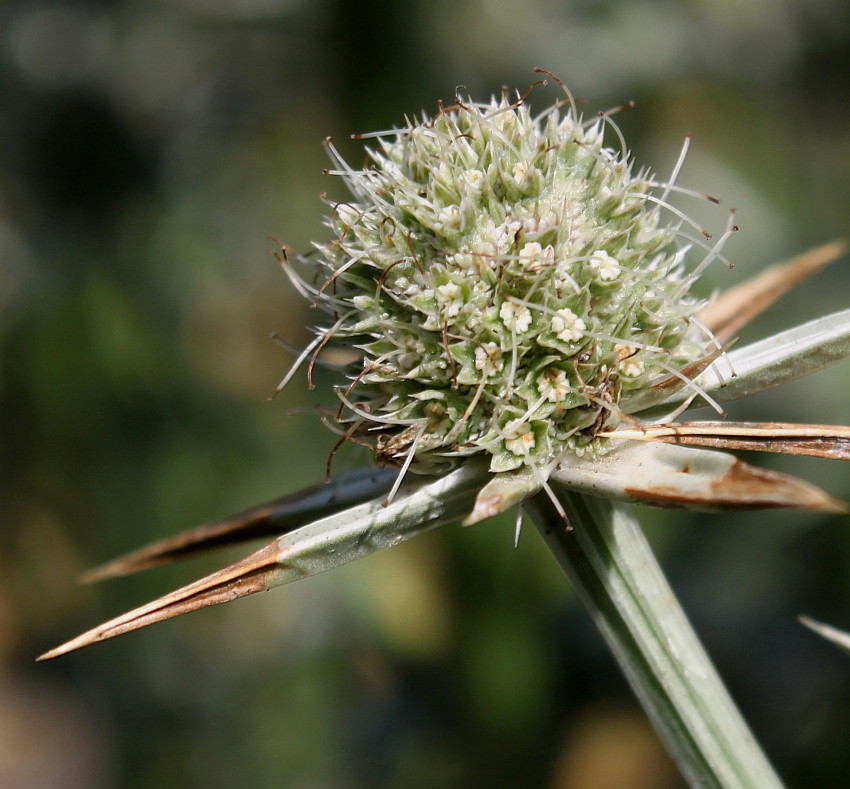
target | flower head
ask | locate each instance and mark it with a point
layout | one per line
(486, 253)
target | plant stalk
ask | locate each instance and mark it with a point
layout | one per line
(615, 574)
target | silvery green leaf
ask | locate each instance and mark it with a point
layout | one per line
(773, 361)
(264, 520)
(322, 545)
(667, 475)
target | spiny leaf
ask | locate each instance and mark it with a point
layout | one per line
(776, 360)
(666, 475)
(333, 541)
(265, 520)
(824, 441)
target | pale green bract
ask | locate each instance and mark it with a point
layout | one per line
(510, 282)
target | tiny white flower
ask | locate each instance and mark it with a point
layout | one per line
(568, 326)
(523, 173)
(449, 219)
(487, 255)
(451, 297)
(516, 317)
(463, 260)
(631, 369)
(553, 385)
(473, 180)
(536, 225)
(629, 365)
(533, 255)
(606, 267)
(503, 236)
(519, 438)
(488, 358)
(530, 254)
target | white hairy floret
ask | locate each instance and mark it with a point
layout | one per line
(510, 283)
(568, 326)
(606, 267)
(516, 317)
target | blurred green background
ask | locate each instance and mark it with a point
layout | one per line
(148, 151)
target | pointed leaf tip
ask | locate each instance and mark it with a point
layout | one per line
(252, 574)
(505, 490)
(331, 541)
(824, 441)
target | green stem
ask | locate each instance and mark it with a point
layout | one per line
(615, 574)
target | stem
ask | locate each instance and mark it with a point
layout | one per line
(616, 576)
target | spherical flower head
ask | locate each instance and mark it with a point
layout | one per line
(509, 282)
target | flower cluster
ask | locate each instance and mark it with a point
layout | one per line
(510, 283)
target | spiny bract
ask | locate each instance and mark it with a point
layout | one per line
(510, 284)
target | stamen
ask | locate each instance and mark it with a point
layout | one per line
(544, 483)
(624, 149)
(518, 525)
(731, 229)
(673, 210)
(369, 417)
(677, 167)
(682, 190)
(693, 385)
(314, 343)
(407, 461)
(563, 87)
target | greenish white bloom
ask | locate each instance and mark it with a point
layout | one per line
(510, 282)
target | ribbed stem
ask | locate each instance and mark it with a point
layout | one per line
(615, 574)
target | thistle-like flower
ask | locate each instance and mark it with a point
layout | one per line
(515, 291)
(519, 301)
(519, 304)
(513, 286)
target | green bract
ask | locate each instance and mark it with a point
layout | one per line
(510, 283)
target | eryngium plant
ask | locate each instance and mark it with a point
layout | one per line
(519, 304)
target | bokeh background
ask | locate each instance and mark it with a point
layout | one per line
(147, 153)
